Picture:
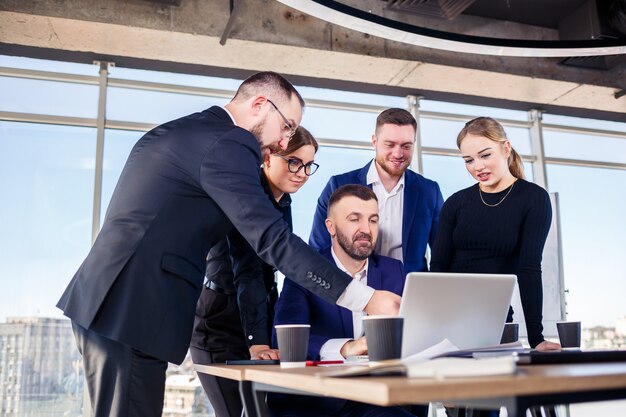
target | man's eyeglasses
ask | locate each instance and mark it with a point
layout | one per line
(295, 165)
(288, 127)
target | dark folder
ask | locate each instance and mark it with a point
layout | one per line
(571, 356)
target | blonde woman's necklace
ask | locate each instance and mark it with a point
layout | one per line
(480, 192)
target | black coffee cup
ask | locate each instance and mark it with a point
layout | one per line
(510, 333)
(293, 342)
(569, 334)
(384, 337)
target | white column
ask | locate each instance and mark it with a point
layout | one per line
(413, 104)
(540, 176)
(97, 187)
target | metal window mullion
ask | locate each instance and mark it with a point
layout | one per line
(47, 119)
(97, 188)
(455, 153)
(131, 126)
(583, 131)
(48, 76)
(170, 88)
(346, 106)
(464, 118)
(425, 150)
(585, 163)
(540, 176)
(413, 104)
(344, 144)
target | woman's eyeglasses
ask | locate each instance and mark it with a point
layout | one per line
(295, 165)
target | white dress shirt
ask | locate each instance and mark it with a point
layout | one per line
(231, 115)
(390, 213)
(331, 350)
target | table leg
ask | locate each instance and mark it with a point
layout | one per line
(549, 410)
(260, 402)
(247, 399)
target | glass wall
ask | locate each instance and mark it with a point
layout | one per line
(46, 178)
(48, 142)
(329, 159)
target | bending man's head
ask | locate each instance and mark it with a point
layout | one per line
(270, 107)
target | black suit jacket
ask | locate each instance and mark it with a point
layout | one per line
(185, 184)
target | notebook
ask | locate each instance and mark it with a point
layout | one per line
(467, 309)
(571, 356)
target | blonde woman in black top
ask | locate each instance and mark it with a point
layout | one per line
(498, 225)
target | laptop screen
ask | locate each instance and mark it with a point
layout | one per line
(467, 309)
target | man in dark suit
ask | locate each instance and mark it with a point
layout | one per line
(409, 204)
(336, 332)
(184, 185)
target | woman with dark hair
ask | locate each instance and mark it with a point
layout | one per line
(235, 311)
(498, 225)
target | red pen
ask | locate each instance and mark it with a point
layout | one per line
(315, 363)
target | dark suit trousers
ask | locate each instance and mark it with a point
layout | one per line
(122, 381)
(218, 337)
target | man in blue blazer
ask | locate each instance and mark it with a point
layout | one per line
(409, 203)
(336, 332)
(185, 184)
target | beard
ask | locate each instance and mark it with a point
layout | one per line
(257, 131)
(390, 169)
(354, 250)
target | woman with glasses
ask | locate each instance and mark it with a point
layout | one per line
(235, 311)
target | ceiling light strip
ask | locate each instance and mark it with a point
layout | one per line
(362, 21)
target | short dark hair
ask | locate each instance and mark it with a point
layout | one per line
(301, 137)
(270, 83)
(395, 116)
(355, 190)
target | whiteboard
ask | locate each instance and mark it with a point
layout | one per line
(553, 287)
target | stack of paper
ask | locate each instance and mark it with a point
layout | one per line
(462, 367)
(444, 360)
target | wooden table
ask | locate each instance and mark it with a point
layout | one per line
(530, 386)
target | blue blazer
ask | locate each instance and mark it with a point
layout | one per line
(297, 305)
(422, 205)
(185, 185)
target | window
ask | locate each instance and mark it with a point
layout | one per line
(592, 202)
(46, 178)
(48, 97)
(155, 107)
(584, 146)
(332, 161)
(47, 181)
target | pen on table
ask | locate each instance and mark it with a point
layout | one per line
(315, 363)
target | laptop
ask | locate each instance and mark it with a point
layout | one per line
(467, 309)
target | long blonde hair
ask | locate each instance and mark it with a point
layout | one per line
(492, 130)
